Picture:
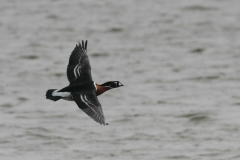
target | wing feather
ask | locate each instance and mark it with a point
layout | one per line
(89, 103)
(79, 69)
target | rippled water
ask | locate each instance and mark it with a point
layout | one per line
(178, 60)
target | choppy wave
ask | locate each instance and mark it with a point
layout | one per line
(178, 61)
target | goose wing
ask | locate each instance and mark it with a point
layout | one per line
(79, 69)
(89, 103)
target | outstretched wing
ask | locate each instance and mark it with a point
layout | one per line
(79, 69)
(89, 103)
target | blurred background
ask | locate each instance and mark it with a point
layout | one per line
(178, 61)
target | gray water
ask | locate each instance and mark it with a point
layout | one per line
(179, 62)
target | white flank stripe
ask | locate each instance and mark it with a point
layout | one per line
(61, 94)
